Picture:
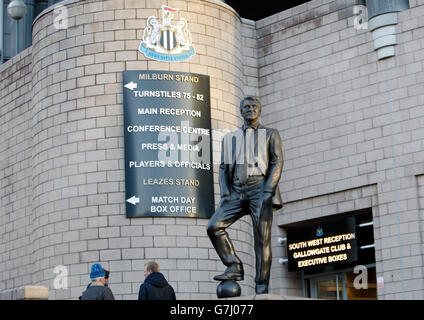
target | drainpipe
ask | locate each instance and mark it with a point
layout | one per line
(382, 21)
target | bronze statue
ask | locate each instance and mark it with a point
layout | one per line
(250, 168)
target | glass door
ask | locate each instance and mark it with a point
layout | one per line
(341, 286)
(330, 287)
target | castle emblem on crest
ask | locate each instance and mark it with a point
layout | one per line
(319, 232)
(167, 42)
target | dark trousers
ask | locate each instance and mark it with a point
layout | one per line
(243, 200)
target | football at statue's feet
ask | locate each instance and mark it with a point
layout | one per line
(228, 289)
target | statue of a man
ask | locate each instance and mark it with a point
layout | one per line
(250, 169)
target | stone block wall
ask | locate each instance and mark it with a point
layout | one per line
(62, 196)
(325, 90)
(74, 142)
(15, 172)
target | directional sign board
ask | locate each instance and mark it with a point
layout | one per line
(168, 151)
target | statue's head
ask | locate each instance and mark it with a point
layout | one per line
(152, 21)
(250, 109)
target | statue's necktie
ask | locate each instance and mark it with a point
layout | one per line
(247, 145)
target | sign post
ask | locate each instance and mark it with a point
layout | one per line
(168, 151)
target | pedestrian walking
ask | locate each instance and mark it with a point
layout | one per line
(155, 286)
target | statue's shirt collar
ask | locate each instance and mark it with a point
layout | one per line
(253, 126)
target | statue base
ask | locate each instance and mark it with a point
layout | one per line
(267, 296)
(228, 289)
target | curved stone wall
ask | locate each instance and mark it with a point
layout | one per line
(78, 212)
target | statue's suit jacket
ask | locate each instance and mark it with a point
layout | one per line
(270, 162)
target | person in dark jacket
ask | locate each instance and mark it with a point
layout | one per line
(106, 281)
(155, 286)
(97, 290)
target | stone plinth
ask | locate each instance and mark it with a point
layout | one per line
(25, 293)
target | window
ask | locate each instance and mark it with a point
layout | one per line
(17, 36)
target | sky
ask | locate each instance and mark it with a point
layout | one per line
(256, 10)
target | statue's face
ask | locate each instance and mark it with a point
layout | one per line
(250, 110)
(153, 21)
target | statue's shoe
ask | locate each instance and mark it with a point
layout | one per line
(233, 272)
(261, 289)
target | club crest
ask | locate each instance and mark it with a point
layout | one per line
(319, 232)
(167, 42)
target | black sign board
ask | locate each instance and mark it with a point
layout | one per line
(168, 151)
(329, 244)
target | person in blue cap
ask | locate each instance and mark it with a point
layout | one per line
(97, 290)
